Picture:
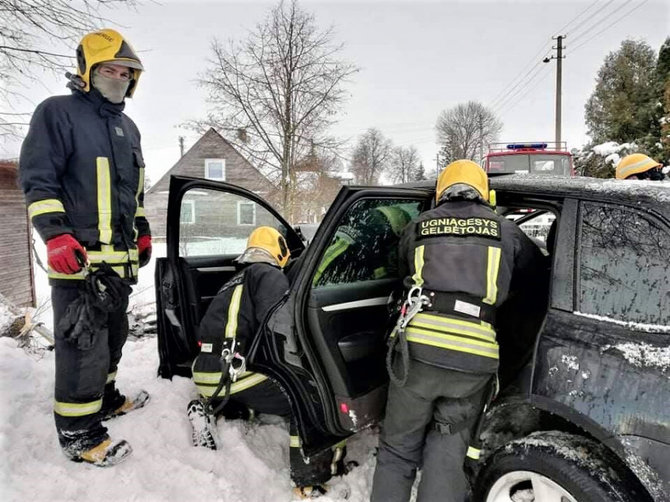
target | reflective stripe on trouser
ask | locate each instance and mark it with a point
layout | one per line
(406, 441)
(207, 382)
(118, 260)
(81, 375)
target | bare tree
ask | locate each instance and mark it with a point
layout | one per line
(30, 33)
(405, 165)
(274, 94)
(464, 130)
(371, 157)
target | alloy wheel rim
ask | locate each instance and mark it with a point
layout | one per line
(515, 483)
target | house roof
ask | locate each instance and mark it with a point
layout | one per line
(211, 132)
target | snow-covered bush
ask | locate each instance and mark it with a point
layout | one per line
(600, 161)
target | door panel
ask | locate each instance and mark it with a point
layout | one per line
(208, 226)
(342, 292)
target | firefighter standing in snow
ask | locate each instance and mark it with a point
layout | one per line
(82, 172)
(461, 261)
(227, 330)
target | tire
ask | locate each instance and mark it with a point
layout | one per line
(555, 467)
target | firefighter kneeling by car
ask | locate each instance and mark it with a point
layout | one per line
(460, 262)
(227, 331)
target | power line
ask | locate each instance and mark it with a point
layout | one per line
(610, 25)
(562, 30)
(520, 98)
(513, 84)
(599, 22)
(505, 91)
(502, 104)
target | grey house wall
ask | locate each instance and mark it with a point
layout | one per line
(211, 145)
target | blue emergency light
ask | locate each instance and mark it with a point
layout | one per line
(534, 146)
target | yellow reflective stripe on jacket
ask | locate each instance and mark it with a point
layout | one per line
(77, 409)
(121, 270)
(111, 377)
(418, 266)
(248, 382)
(104, 199)
(333, 251)
(294, 442)
(452, 342)
(139, 211)
(233, 312)
(492, 268)
(473, 453)
(45, 206)
(207, 377)
(479, 330)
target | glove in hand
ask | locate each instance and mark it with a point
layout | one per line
(65, 255)
(144, 249)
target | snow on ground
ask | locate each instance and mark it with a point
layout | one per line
(251, 464)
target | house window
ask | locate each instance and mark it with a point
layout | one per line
(187, 215)
(215, 169)
(246, 213)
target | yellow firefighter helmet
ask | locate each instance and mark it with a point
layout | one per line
(272, 241)
(466, 172)
(635, 163)
(107, 46)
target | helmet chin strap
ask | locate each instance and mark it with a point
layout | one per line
(112, 89)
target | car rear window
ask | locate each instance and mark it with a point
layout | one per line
(623, 265)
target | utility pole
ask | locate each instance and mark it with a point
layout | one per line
(481, 139)
(181, 145)
(559, 75)
(437, 165)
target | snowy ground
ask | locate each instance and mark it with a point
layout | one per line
(251, 464)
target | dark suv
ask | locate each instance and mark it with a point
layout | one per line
(583, 414)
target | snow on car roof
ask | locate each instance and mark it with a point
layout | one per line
(635, 190)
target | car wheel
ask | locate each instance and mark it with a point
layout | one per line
(554, 467)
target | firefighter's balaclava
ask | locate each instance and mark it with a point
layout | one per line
(113, 89)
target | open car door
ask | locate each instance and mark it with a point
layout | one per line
(326, 343)
(208, 223)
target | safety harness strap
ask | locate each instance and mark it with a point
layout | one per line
(461, 304)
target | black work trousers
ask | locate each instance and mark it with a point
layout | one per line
(267, 397)
(84, 375)
(408, 440)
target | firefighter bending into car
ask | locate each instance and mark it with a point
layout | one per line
(82, 172)
(638, 166)
(227, 330)
(460, 262)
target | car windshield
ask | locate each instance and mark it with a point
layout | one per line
(534, 163)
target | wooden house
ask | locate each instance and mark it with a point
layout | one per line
(17, 282)
(214, 158)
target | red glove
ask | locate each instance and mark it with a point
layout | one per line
(144, 249)
(63, 251)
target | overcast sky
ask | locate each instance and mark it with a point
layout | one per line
(416, 58)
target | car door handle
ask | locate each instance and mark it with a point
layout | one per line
(357, 304)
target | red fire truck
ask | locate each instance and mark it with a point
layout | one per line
(536, 158)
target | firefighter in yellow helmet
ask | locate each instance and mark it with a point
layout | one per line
(82, 172)
(638, 166)
(460, 261)
(229, 326)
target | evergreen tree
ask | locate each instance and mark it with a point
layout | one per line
(622, 107)
(663, 92)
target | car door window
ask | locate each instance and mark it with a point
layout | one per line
(364, 246)
(623, 265)
(218, 223)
